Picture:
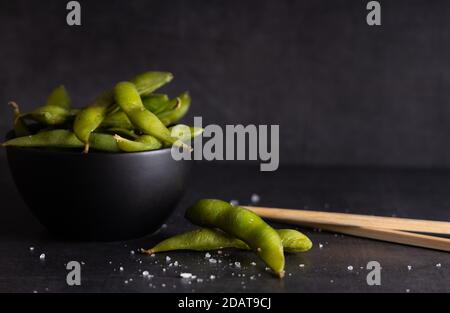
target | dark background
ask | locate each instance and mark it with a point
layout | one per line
(343, 93)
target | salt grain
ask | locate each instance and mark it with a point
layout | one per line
(121, 269)
(212, 277)
(145, 273)
(185, 275)
(42, 256)
(350, 268)
(253, 263)
(255, 198)
(31, 249)
(301, 265)
(207, 255)
(167, 258)
(237, 264)
(409, 267)
(438, 265)
(320, 245)
(234, 202)
(212, 260)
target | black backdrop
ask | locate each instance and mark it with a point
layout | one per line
(343, 93)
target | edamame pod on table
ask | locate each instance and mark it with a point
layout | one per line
(90, 118)
(207, 239)
(61, 138)
(242, 224)
(127, 97)
(142, 143)
(180, 106)
(20, 128)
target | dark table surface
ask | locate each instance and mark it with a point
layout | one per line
(390, 192)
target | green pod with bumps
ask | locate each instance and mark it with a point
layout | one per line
(179, 108)
(127, 97)
(207, 239)
(140, 144)
(242, 224)
(148, 82)
(61, 138)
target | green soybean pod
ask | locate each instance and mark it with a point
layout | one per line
(156, 102)
(59, 97)
(185, 132)
(148, 82)
(142, 143)
(243, 224)
(203, 239)
(117, 120)
(20, 128)
(127, 133)
(50, 115)
(90, 118)
(207, 239)
(127, 97)
(62, 138)
(180, 106)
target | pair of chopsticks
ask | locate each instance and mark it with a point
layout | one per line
(391, 229)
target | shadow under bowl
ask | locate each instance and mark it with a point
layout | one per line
(99, 196)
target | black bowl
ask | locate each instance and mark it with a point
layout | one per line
(99, 196)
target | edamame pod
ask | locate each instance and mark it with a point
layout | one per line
(61, 138)
(207, 239)
(59, 97)
(142, 143)
(156, 103)
(90, 118)
(180, 106)
(50, 115)
(148, 82)
(184, 132)
(242, 224)
(118, 120)
(20, 128)
(127, 97)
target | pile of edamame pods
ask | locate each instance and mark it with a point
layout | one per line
(130, 117)
(229, 226)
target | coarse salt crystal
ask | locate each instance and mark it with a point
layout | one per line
(320, 246)
(167, 258)
(237, 264)
(255, 198)
(253, 263)
(301, 265)
(121, 269)
(145, 273)
(212, 260)
(42, 256)
(185, 275)
(212, 277)
(409, 267)
(438, 265)
(207, 255)
(31, 248)
(350, 268)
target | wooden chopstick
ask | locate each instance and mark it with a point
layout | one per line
(357, 220)
(396, 236)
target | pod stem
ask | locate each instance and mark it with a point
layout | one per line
(86, 148)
